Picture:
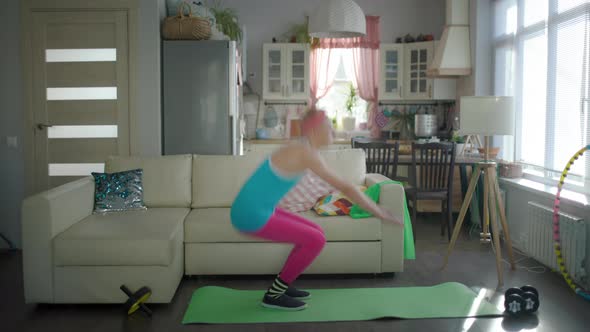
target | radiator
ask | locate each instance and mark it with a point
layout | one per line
(539, 244)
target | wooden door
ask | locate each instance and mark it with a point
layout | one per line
(79, 93)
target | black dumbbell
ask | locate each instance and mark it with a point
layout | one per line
(521, 300)
(136, 300)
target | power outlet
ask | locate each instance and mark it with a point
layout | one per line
(12, 142)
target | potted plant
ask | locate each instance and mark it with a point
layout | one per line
(460, 141)
(299, 33)
(334, 123)
(227, 21)
(404, 122)
(349, 122)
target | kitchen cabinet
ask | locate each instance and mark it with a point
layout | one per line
(403, 73)
(392, 71)
(285, 72)
(418, 56)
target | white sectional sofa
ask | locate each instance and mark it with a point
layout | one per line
(74, 256)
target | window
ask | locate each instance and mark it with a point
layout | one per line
(542, 58)
(334, 101)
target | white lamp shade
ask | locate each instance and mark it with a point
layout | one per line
(337, 19)
(487, 116)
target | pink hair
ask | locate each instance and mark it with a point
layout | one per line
(313, 120)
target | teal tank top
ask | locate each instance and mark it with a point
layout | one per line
(256, 201)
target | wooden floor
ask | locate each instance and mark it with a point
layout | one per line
(471, 264)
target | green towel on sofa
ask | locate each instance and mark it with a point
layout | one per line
(373, 192)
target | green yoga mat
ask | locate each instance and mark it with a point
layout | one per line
(218, 305)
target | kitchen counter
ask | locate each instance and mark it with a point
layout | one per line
(285, 141)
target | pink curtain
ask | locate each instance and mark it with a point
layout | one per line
(323, 67)
(366, 67)
(365, 63)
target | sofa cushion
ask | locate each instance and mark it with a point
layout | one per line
(345, 228)
(217, 179)
(213, 225)
(121, 238)
(166, 179)
(348, 164)
(306, 193)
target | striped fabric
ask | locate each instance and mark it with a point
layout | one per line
(306, 193)
(278, 288)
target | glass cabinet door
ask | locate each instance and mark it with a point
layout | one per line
(298, 72)
(391, 71)
(273, 80)
(418, 59)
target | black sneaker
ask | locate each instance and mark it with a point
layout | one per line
(283, 302)
(297, 294)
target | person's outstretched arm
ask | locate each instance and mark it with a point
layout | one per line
(313, 161)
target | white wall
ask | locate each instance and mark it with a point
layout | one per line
(148, 140)
(265, 19)
(479, 83)
(11, 122)
(482, 46)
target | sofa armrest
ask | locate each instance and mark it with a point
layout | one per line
(44, 216)
(392, 239)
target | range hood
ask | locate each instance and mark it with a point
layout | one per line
(452, 56)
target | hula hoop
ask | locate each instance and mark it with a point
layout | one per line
(556, 237)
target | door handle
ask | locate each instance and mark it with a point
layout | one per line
(42, 126)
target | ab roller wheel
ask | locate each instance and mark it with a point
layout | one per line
(523, 300)
(136, 300)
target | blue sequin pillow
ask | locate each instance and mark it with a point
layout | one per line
(119, 191)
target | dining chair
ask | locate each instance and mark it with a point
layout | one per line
(381, 157)
(431, 178)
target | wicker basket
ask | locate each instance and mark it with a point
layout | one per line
(182, 27)
(510, 170)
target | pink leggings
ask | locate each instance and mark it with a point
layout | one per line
(308, 238)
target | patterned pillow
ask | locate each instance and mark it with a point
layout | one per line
(119, 191)
(334, 204)
(304, 195)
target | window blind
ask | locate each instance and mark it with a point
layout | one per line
(542, 58)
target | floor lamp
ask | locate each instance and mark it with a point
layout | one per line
(472, 139)
(486, 116)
